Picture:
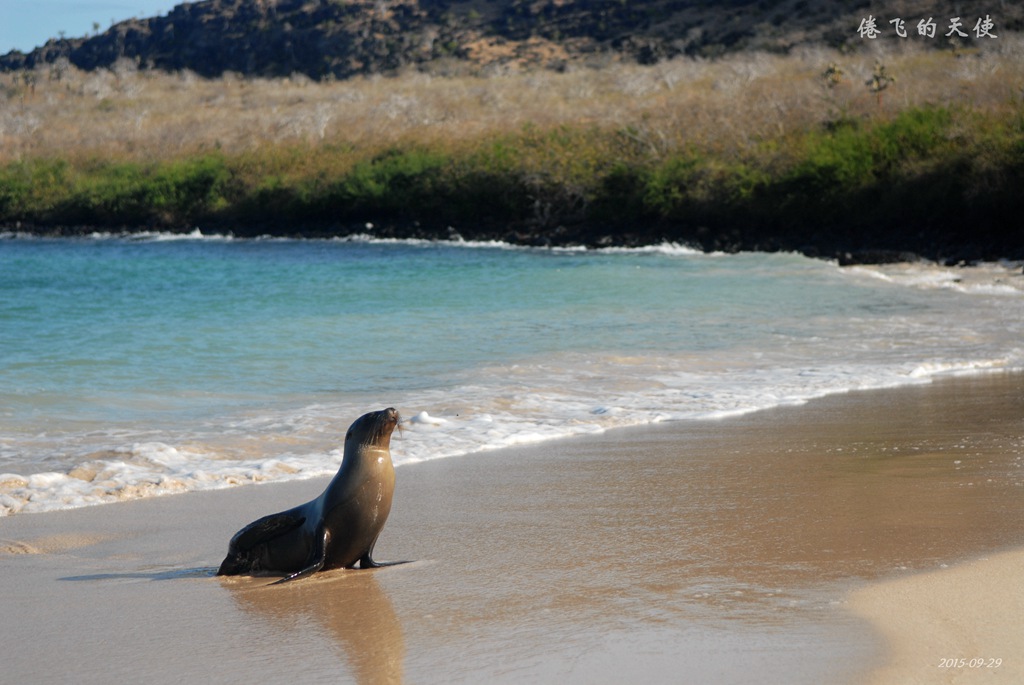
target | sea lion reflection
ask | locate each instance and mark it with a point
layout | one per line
(353, 608)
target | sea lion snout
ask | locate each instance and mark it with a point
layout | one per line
(389, 419)
(376, 427)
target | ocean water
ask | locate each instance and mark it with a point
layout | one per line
(153, 364)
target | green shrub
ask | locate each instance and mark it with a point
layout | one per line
(188, 189)
(29, 188)
(928, 166)
(395, 182)
(913, 133)
(832, 164)
(172, 193)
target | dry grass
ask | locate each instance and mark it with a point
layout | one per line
(895, 149)
(718, 105)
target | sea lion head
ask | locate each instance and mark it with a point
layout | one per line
(373, 429)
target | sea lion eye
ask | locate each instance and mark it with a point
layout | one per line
(348, 435)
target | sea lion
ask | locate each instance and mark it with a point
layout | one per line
(336, 530)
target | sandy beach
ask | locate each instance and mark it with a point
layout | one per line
(858, 538)
(960, 625)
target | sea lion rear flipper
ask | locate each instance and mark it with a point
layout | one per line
(316, 559)
(240, 550)
(265, 529)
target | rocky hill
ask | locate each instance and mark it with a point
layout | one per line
(326, 39)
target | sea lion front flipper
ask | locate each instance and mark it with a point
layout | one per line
(367, 562)
(316, 559)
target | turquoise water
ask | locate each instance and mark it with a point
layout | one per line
(154, 364)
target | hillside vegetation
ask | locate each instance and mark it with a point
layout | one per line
(861, 156)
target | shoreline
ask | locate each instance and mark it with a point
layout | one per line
(414, 231)
(584, 236)
(717, 548)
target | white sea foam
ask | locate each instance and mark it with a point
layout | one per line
(665, 248)
(424, 242)
(989, 278)
(428, 420)
(194, 234)
(159, 236)
(445, 423)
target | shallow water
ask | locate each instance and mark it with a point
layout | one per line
(138, 366)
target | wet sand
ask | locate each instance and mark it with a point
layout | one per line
(799, 545)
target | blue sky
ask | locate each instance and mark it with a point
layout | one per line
(27, 24)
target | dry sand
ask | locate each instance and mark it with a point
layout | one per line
(708, 552)
(962, 625)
